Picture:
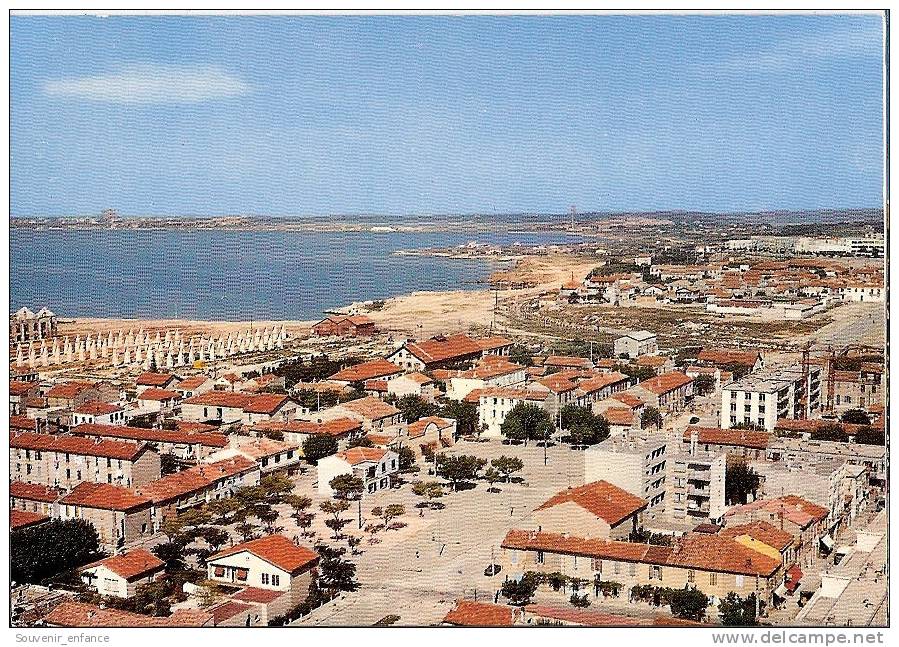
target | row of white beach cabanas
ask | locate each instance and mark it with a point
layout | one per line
(164, 350)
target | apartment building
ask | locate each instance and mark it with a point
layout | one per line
(636, 463)
(119, 514)
(696, 486)
(66, 461)
(496, 403)
(636, 343)
(760, 399)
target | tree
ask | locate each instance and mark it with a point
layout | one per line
(464, 413)
(334, 572)
(492, 476)
(584, 428)
(223, 509)
(690, 604)
(651, 417)
(347, 487)
(414, 407)
(317, 446)
(407, 458)
(276, 486)
(870, 436)
(391, 512)
(740, 481)
(519, 592)
(735, 611)
(830, 432)
(335, 508)
(245, 529)
(298, 503)
(429, 490)
(507, 465)
(168, 464)
(459, 469)
(527, 422)
(215, 537)
(172, 553)
(45, 551)
(360, 441)
(703, 384)
(268, 516)
(520, 355)
(856, 417)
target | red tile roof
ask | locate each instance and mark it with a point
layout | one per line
(191, 383)
(154, 379)
(228, 610)
(792, 508)
(33, 491)
(629, 399)
(335, 427)
(665, 383)
(79, 614)
(275, 549)
(724, 356)
(370, 408)
(417, 428)
(761, 531)
(731, 437)
(135, 564)
(601, 381)
(23, 519)
(468, 613)
(150, 435)
(18, 387)
(196, 478)
(602, 499)
(251, 594)
(160, 395)
(619, 416)
(367, 371)
(22, 422)
(722, 554)
(267, 403)
(76, 445)
(442, 349)
(69, 390)
(97, 408)
(104, 497)
(358, 455)
(568, 545)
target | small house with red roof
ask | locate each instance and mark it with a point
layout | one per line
(97, 412)
(597, 509)
(375, 466)
(271, 563)
(121, 574)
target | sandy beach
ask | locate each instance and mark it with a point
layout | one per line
(418, 314)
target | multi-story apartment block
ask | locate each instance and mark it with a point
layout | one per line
(760, 399)
(696, 485)
(496, 403)
(636, 463)
(66, 461)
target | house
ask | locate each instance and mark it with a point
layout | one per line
(762, 398)
(600, 386)
(456, 351)
(764, 537)
(667, 392)
(296, 432)
(621, 420)
(745, 443)
(597, 509)
(345, 326)
(68, 395)
(120, 515)
(193, 385)
(184, 445)
(197, 485)
(713, 564)
(799, 517)
(560, 389)
(561, 362)
(151, 379)
(272, 455)
(66, 461)
(228, 407)
(491, 371)
(376, 467)
(79, 615)
(432, 432)
(19, 392)
(33, 497)
(373, 413)
(158, 401)
(96, 412)
(414, 383)
(120, 575)
(636, 343)
(376, 369)
(470, 613)
(495, 404)
(270, 563)
(22, 519)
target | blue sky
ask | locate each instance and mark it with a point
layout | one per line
(333, 115)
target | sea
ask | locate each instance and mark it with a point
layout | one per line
(229, 275)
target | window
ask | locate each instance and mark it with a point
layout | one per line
(540, 557)
(761, 397)
(691, 576)
(733, 420)
(738, 581)
(276, 580)
(633, 570)
(265, 578)
(713, 579)
(761, 422)
(655, 572)
(616, 568)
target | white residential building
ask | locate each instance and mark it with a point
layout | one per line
(634, 344)
(636, 463)
(760, 399)
(376, 467)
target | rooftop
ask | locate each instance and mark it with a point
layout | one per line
(602, 499)
(274, 549)
(105, 497)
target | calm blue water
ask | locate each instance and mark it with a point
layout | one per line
(232, 275)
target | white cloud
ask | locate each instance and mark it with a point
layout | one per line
(151, 83)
